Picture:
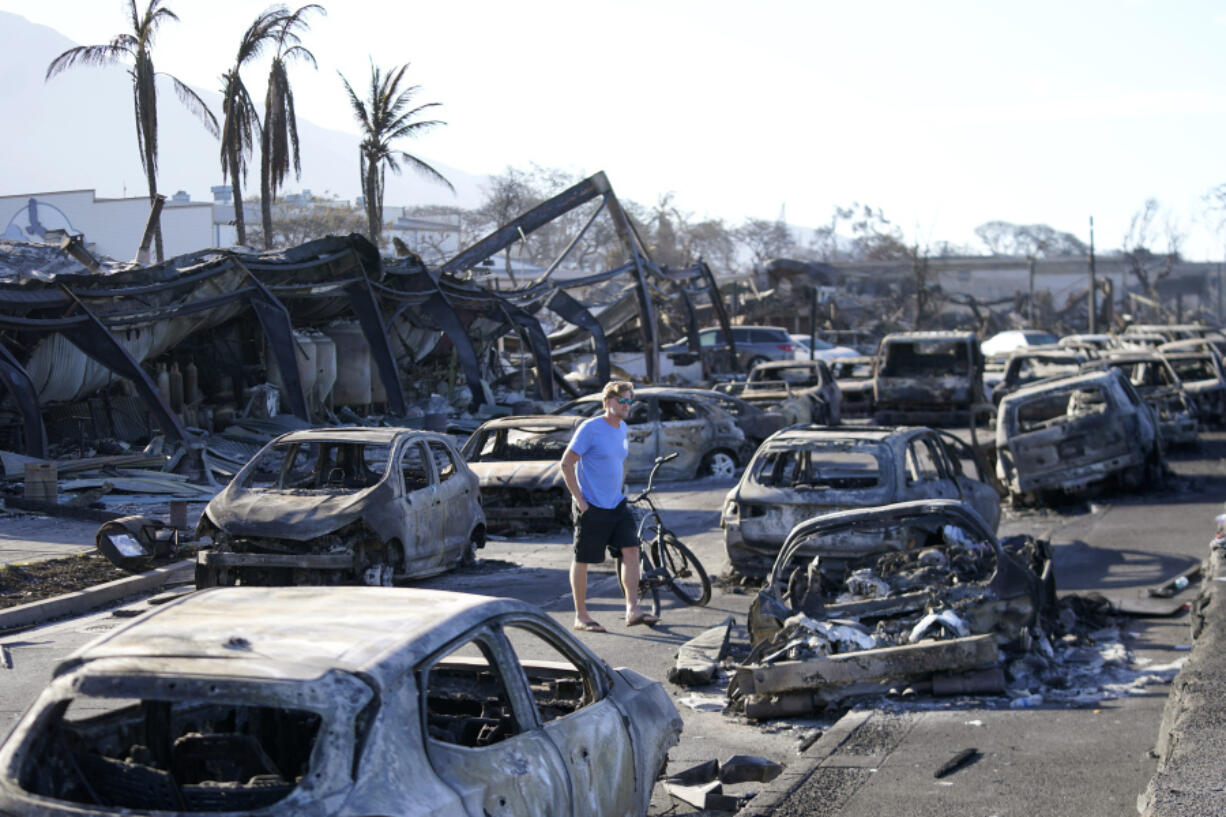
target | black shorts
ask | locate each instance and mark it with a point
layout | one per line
(598, 529)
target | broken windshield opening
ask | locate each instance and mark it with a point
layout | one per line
(525, 444)
(821, 467)
(180, 755)
(335, 467)
(927, 358)
(1053, 408)
(1194, 369)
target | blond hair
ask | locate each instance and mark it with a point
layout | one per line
(615, 387)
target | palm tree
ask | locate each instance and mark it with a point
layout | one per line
(384, 118)
(279, 142)
(137, 45)
(240, 120)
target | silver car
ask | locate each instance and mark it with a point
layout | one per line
(341, 701)
(343, 505)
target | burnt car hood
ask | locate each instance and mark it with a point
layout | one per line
(532, 475)
(295, 515)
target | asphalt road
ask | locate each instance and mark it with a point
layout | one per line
(1078, 760)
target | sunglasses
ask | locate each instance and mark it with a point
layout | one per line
(625, 401)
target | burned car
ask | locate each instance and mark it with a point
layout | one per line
(927, 377)
(1068, 435)
(803, 472)
(854, 376)
(1160, 387)
(345, 701)
(1026, 366)
(804, 391)
(343, 505)
(662, 421)
(861, 599)
(756, 423)
(1203, 380)
(518, 463)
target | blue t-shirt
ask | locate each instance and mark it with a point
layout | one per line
(602, 450)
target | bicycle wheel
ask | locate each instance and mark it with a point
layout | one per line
(682, 571)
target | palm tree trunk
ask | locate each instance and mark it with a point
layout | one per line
(266, 190)
(236, 188)
(157, 231)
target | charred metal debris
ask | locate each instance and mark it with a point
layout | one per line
(80, 337)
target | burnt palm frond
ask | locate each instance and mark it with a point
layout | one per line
(136, 46)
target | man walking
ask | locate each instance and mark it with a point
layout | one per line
(593, 467)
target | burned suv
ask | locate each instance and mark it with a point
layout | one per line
(343, 505)
(1066, 435)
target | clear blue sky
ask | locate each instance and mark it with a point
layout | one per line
(944, 113)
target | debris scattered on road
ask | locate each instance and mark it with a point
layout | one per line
(958, 762)
(699, 658)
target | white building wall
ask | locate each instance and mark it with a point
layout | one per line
(111, 227)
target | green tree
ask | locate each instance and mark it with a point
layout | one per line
(136, 46)
(279, 141)
(306, 219)
(240, 119)
(385, 116)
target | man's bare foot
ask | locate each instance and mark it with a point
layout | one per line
(641, 617)
(589, 626)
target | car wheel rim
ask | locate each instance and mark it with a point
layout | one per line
(721, 465)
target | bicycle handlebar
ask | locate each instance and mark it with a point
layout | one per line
(652, 476)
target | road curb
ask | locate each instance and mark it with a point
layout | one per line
(83, 601)
(769, 798)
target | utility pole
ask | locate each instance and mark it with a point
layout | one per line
(1093, 300)
(1032, 323)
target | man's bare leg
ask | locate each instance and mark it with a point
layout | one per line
(578, 589)
(630, 585)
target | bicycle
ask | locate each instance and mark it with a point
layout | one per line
(663, 559)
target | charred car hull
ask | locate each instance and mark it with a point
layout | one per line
(343, 506)
(845, 607)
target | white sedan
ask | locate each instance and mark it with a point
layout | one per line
(822, 349)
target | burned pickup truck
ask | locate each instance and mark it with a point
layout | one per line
(929, 378)
(1156, 381)
(343, 506)
(1070, 434)
(860, 600)
(342, 701)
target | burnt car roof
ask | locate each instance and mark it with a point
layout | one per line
(283, 628)
(943, 334)
(1096, 376)
(556, 421)
(364, 434)
(646, 391)
(807, 433)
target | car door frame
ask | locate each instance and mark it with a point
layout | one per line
(983, 493)
(531, 740)
(421, 521)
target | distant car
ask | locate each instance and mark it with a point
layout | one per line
(1203, 379)
(1158, 384)
(346, 701)
(518, 463)
(756, 423)
(803, 390)
(664, 420)
(854, 376)
(343, 505)
(1025, 366)
(754, 345)
(1090, 344)
(1012, 339)
(934, 378)
(805, 471)
(822, 349)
